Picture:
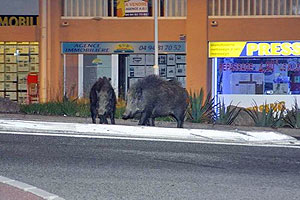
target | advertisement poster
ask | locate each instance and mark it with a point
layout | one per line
(137, 71)
(149, 59)
(170, 71)
(162, 70)
(180, 69)
(149, 70)
(132, 8)
(171, 59)
(162, 59)
(180, 59)
(137, 59)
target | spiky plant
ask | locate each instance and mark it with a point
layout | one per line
(292, 118)
(201, 109)
(268, 117)
(226, 116)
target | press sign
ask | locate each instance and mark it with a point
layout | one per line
(254, 49)
(274, 49)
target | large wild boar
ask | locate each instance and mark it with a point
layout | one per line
(153, 97)
(103, 101)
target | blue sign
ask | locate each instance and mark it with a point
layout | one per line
(123, 47)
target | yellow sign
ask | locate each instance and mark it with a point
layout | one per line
(97, 61)
(19, 20)
(273, 49)
(124, 47)
(253, 49)
(226, 49)
(120, 8)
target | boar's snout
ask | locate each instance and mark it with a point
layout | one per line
(125, 117)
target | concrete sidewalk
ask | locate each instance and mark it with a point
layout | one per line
(131, 131)
(287, 131)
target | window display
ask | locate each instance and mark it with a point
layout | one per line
(258, 76)
(17, 60)
(171, 66)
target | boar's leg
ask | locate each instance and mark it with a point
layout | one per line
(104, 119)
(179, 119)
(148, 122)
(144, 118)
(152, 121)
(112, 118)
(94, 115)
(180, 123)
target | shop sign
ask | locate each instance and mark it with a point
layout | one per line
(19, 20)
(110, 48)
(254, 49)
(132, 8)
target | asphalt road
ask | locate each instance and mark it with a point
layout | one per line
(123, 169)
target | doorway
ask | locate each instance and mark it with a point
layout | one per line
(123, 60)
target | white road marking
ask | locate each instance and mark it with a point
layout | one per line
(29, 188)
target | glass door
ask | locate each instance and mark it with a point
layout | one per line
(95, 66)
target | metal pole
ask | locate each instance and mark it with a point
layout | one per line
(156, 67)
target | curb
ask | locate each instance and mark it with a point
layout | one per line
(146, 132)
(12, 189)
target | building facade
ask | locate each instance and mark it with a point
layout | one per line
(239, 50)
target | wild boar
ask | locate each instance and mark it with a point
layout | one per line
(153, 97)
(94, 99)
(103, 101)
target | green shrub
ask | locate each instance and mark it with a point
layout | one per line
(269, 117)
(66, 107)
(201, 109)
(292, 117)
(119, 112)
(226, 116)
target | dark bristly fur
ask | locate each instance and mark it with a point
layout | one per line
(153, 97)
(102, 101)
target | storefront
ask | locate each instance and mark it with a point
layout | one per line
(256, 73)
(124, 63)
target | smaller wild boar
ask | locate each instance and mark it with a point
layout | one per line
(94, 99)
(103, 101)
(153, 97)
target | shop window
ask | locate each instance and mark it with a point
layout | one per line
(270, 76)
(17, 61)
(71, 76)
(171, 67)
